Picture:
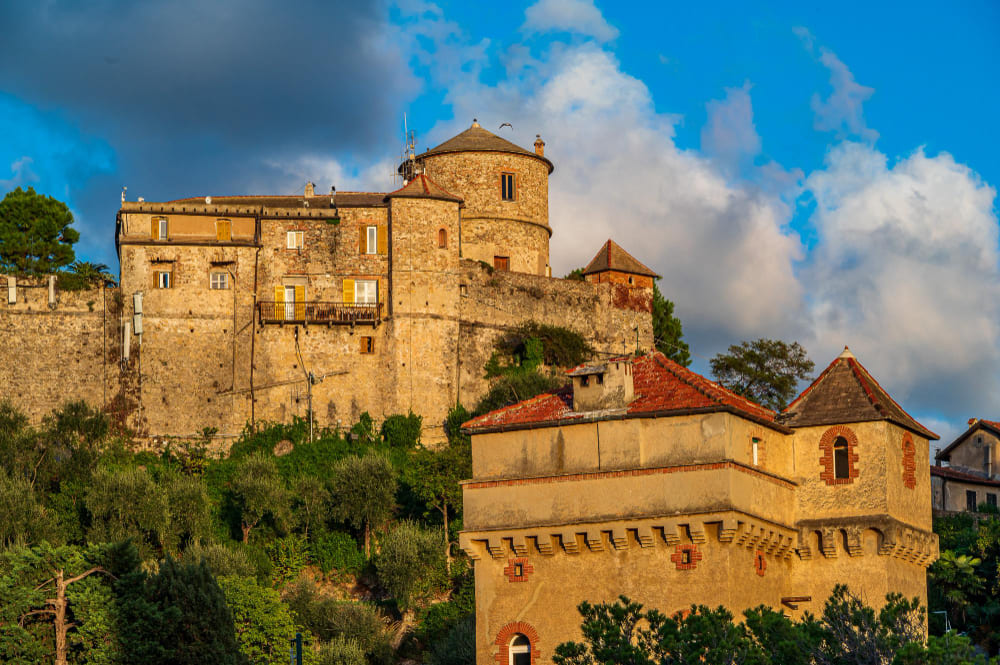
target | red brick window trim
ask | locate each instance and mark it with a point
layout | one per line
(838, 437)
(507, 635)
(909, 462)
(518, 570)
(759, 563)
(686, 557)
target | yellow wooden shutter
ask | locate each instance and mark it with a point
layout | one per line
(279, 302)
(348, 290)
(362, 239)
(300, 303)
(223, 230)
(154, 227)
(383, 239)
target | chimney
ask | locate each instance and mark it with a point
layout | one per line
(539, 145)
(310, 189)
(603, 386)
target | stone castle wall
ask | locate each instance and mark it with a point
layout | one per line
(60, 352)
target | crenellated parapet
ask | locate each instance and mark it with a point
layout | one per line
(894, 538)
(739, 529)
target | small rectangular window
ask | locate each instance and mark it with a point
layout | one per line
(970, 500)
(163, 279)
(991, 500)
(218, 281)
(756, 451)
(295, 240)
(501, 263)
(371, 245)
(507, 184)
(367, 345)
(162, 229)
(366, 291)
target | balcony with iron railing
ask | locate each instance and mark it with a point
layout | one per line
(318, 312)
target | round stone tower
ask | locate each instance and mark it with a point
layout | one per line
(505, 221)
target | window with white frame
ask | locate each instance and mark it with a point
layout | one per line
(295, 240)
(519, 652)
(218, 280)
(163, 279)
(365, 291)
(162, 228)
(371, 246)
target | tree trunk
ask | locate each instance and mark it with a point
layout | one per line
(59, 605)
(368, 537)
(246, 531)
(447, 542)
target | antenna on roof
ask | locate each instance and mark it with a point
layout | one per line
(124, 189)
(409, 166)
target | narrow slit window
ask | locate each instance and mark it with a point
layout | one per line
(755, 452)
(507, 186)
(841, 464)
(442, 239)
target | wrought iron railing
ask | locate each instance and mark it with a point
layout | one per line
(331, 313)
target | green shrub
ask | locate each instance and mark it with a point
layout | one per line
(330, 619)
(341, 651)
(288, 557)
(336, 551)
(561, 347)
(363, 431)
(402, 431)
(411, 563)
(222, 559)
(458, 647)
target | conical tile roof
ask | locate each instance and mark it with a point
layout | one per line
(477, 139)
(846, 393)
(613, 257)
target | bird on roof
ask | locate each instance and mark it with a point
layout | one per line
(506, 124)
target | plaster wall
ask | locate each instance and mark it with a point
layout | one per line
(971, 454)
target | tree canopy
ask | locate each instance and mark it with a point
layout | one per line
(766, 371)
(36, 234)
(667, 332)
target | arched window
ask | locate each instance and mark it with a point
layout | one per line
(520, 651)
(841, 460)
(442, 239)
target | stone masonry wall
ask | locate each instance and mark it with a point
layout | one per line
(59, 353)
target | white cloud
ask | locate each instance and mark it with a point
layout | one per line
(291, 176)
(21, 174)
(905, 271)
(576, 16)
(729, 136)
(842, 111)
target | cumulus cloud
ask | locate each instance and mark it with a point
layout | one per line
(729, 135)
(577, 16)
(201, 97)
(842, 111)
(905, 271)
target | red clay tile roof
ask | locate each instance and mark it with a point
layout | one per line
(846, 393)
(613, 257)
(974, 424)
(953, 474)
(662, 387)
(343, 199)
(477, 139)
(422, 187)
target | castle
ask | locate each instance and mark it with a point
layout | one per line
(648, 480)
(241, 309)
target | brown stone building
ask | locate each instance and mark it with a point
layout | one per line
(244, 308)
(648, 480)
(965, 475)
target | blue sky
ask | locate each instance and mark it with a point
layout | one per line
(793, 171)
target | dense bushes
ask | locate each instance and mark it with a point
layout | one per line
(252, 529)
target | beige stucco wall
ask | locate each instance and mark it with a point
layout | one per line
(970, 454)
(950, 495)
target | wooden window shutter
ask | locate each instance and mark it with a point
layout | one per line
(383, 239)
(362, 238)
(223, 231)
(154, 228)
(300, 302)
(348, 291)
(279, 302)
